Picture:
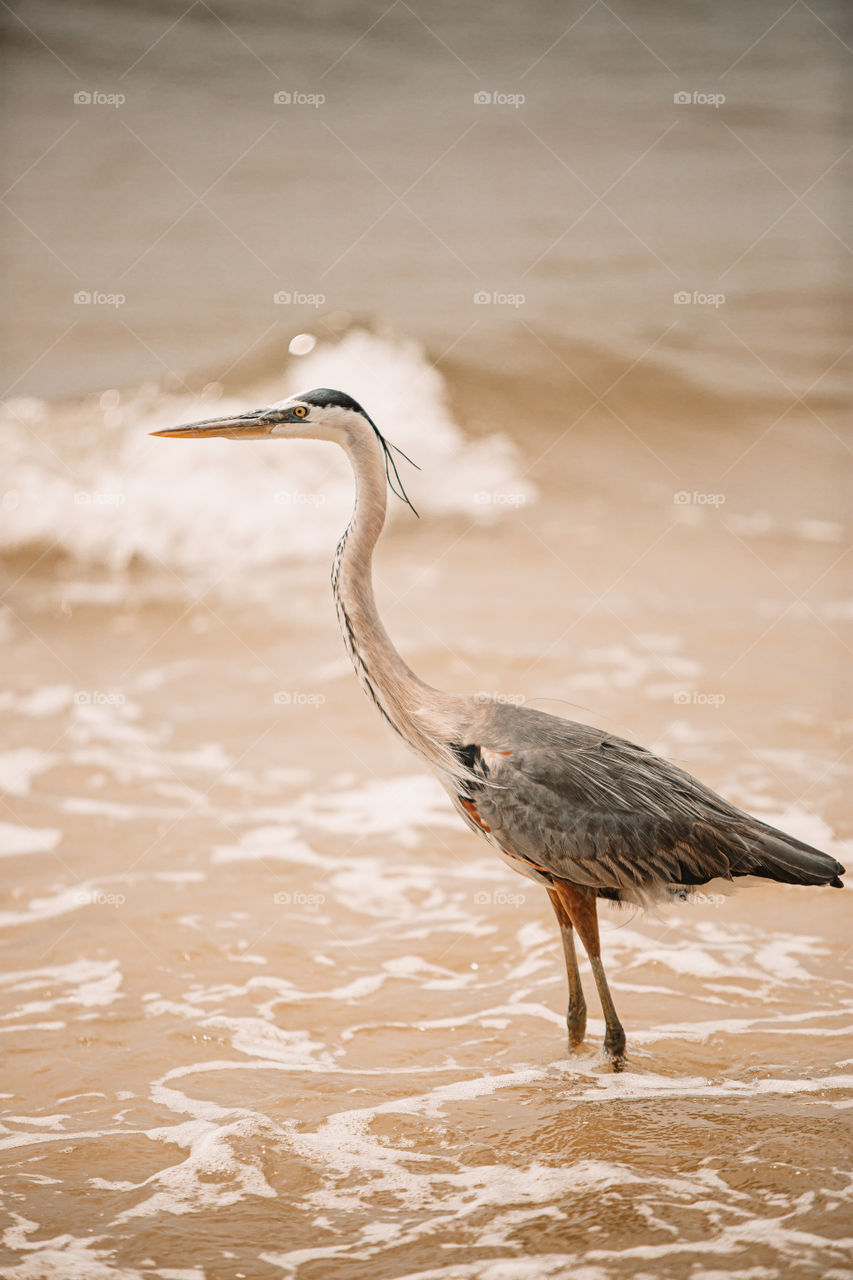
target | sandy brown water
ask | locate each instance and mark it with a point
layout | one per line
(270, 1010)
(267, 1009)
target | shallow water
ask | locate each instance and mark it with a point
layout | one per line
(268, 1009)
(581, 208)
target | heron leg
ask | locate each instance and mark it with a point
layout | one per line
(576, 1015)
(580, 905)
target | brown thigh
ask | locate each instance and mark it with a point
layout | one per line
(580, 907)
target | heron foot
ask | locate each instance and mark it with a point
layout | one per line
(614, 1047)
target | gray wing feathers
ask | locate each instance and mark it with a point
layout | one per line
(597, 810)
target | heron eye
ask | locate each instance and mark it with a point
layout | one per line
(300, 411)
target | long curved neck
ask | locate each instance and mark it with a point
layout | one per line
(420, 714)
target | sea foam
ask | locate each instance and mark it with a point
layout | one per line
(91, 482)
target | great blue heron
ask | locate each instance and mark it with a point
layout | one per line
(584, 813)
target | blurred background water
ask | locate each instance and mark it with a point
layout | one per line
(268, 1010)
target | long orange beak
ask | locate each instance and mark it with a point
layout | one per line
(245, 426)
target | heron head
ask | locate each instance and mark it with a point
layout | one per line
(321, 414)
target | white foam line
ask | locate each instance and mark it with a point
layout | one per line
(315, 1068)
(696, 1033)
(291, 1261)
(17, 841)
(46, 1122)
(84, 807)
(88, 982)
(68, 1256)
(484, 1017)
(19, 766)
(31, 1139)
(702, 1031)
(540, 1267)
(631, 1085)
(33, 1026)
(731, 1239)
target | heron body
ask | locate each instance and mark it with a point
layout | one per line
(584, 813)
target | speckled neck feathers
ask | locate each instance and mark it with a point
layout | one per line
(421, 715)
